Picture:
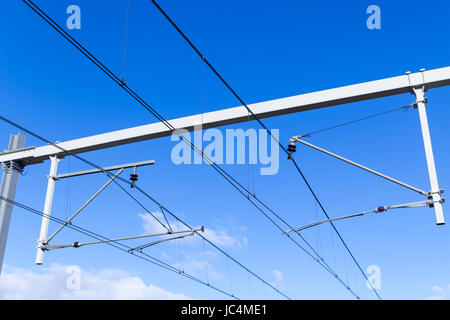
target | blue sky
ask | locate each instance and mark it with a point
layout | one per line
(266, 50)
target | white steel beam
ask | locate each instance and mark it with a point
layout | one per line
(321, 99)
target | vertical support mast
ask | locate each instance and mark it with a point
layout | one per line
(47, 208)
(10, 177)
(435, 193)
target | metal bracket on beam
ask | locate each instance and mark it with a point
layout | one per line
(11, 166)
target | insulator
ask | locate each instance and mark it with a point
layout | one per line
(133, 177)
(381, 209)
(292, 147)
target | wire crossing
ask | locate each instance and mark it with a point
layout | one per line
(110, 174)
(228, 86)
(119, 246)
(334, 227)
(320, 260)
(221, 171)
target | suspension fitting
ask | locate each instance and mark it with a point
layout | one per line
(425, 100)
(133, 177)
(291, 149)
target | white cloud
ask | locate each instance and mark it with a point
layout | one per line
(440, 293)
(199, 268)
(165, 255)
(56, 283)
(219, 237)
(278, 278)
(278, 275)
(151, 226)
(195, 258)
(437, 289)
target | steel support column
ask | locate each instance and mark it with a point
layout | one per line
(47, 209)
(435, 193)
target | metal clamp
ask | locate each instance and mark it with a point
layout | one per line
(425, 100)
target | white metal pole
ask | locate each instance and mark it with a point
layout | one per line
(10, 177)
(435, 193)
(47, 208)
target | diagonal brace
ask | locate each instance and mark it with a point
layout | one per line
(84, 205)
(297, 139)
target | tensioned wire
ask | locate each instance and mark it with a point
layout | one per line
(159, 117)
(119, 246)
(154, 112)
(110, 174)
(318, 259)
(234, 93)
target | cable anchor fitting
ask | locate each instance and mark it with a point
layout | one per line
(430, 194)
(76, 244)
(380, 209)
(425, 100)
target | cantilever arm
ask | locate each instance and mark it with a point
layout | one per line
(376, 210)
(81, 244)
(140, 248)
(297, 138)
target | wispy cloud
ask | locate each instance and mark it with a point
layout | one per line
(440, 293)
(278, 275)
(151, 226)
(278, 278)
(221, 238)
(199, 267)
(52, 283)
(194, 257)
(218, 236)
